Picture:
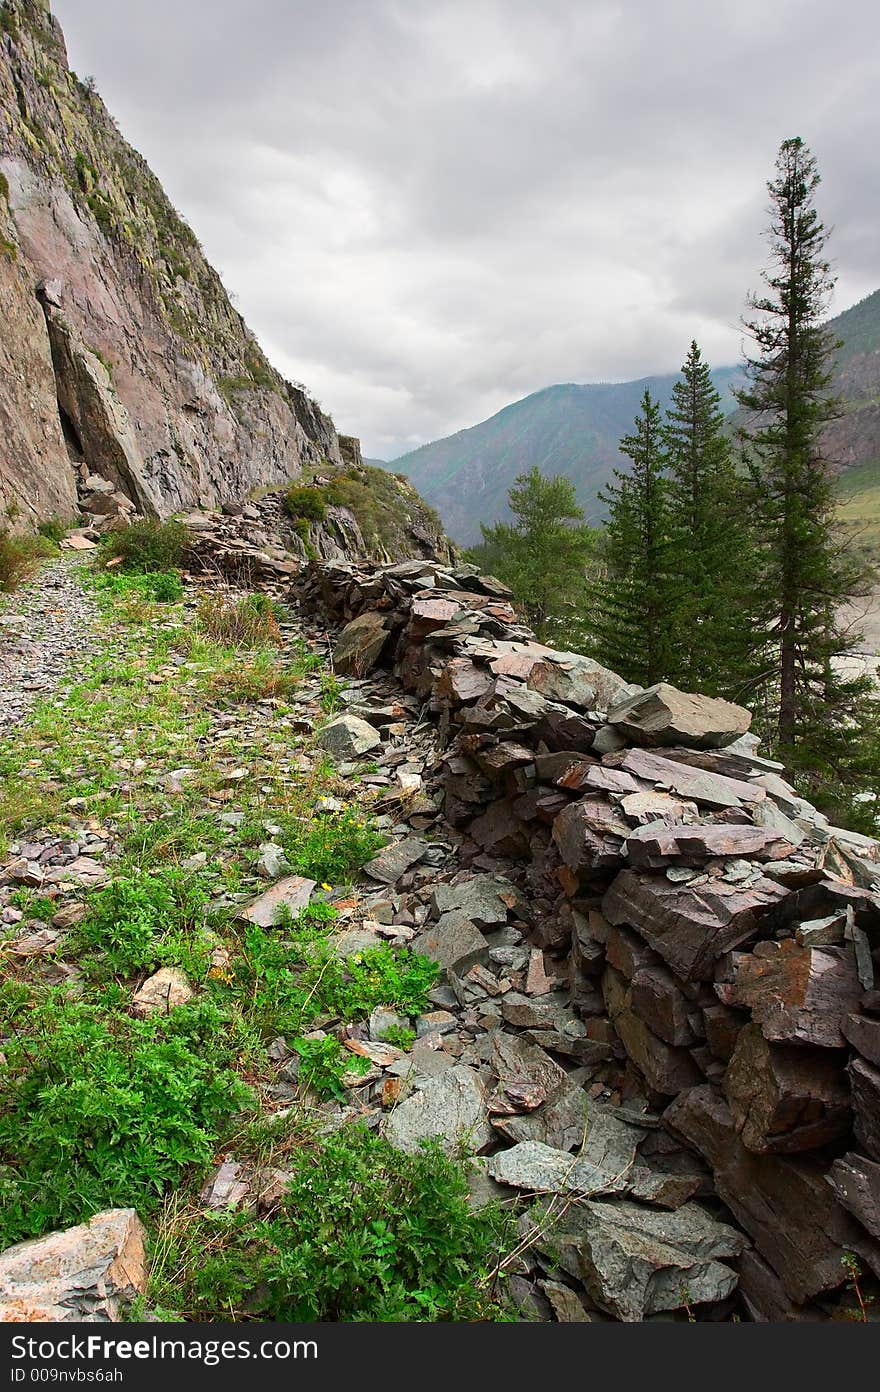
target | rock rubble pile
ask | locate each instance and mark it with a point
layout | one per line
(689, 1011)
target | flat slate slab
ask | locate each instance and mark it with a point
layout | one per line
(293, 892)
(663, 715)
(449, 1109)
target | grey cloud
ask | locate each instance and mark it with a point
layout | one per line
(427, 208)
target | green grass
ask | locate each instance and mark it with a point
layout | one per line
(99, 1109)
(363, 1233)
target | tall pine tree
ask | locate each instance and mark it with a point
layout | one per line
(632, 594)
(710, 621)
(814, 712)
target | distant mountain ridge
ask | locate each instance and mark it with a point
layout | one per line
(575, 430)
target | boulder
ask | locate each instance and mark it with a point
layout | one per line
(783, 1204)
(784, 1099)
(689, 931)
(449, 1109)
(798, 995)
(165, 989)
(360, 644)
(395, 859)
(657, 843)
(348, 737)
(87, 1274)
(663, 715)
(636, 1262)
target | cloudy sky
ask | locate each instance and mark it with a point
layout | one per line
(429, 208)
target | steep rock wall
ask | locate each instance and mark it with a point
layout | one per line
(163, 387)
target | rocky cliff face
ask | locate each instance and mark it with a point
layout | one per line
(121, 353)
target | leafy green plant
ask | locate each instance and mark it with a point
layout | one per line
(146, 545)
(333, 847)
(99, 1110)
(33, 905)
(331, 689)
(325, 1064)
(143, 921)
(151, 586)
(365, 1233)
(401, 1036)
(304, 503)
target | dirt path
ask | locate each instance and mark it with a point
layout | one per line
(46, 627)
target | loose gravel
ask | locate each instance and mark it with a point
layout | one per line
(46, 627)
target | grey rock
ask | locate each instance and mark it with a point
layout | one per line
(455, 943)
(383, 1021)
(348, 737)
(395, 859)
(637, 1262)
(293, 892)
(601, 1166)
(663, 715)
(484, 899)
(450, 1109)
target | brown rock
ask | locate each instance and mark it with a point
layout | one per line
(655, 845)
(785, 1099)
(293, 892)
(797, 994)
(864, 1035)
(667, 1070)
(660, 1004)
(781, 1203)
(627, 952)
(584, 843)
(865, 1084)
(692, 784)
(689, 929)
(663, 715)
(89, 1273)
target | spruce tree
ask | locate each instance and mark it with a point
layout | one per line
(632, 595)
(710, 624)
(814, 712)
(543, 555)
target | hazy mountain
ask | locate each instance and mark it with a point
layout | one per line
(575, 430)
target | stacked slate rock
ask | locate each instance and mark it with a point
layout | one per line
(719, 939)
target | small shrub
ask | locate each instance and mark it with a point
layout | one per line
(304, 504)
(53, 529)
(147, 545)
(102, 1111)
(261, 678)
(141, 922)
(365, 1233)
(401, 1036)
(20, 557)
(331, 689)
(331, 848)
(248, 622)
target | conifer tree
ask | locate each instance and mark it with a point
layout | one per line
(813, 710)
(543, 555)
(632, 596)
(710, 623)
